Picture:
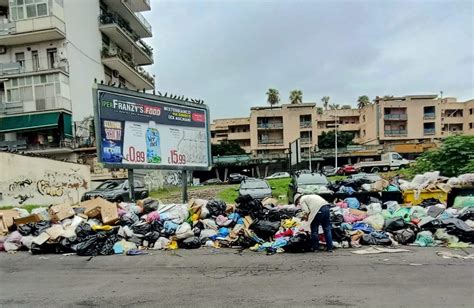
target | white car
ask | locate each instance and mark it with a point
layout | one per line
(278, 175)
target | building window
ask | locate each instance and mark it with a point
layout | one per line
(52, 57)
(20, 58)
(35, 60)
(470, 110)
(363, 118)
(21, 9)
(470, 125)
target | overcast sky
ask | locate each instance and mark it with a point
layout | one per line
(230, 52)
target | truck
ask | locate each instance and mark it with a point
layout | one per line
(389, 161)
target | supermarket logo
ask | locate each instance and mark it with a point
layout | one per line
(132, 107)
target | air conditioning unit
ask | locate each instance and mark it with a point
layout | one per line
(115, 74)
(62, 54)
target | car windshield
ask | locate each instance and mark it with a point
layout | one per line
(109, 185)
(254, 185)
(312, 179)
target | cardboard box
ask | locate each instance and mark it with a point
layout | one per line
(27, 219)
(6, 219)
(55, 231)
(60, 212)
(108, 210)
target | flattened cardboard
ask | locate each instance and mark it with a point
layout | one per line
(60, 212)
(108, 210)
(41, 239)
(6, 219)
(27, 219)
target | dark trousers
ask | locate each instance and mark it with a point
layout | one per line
(322, 218)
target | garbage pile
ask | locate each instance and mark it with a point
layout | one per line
(99, 227)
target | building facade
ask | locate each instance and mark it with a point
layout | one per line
(387, 122)
(52, 52)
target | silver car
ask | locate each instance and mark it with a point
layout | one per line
(256, 188)
(278, 175)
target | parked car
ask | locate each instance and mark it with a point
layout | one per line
(347, 169)
(278, 175)
(328, 171)
(236, 178)
(307, 184)
(256, 188)
(116, 191)
(371, 177)
(214, 181)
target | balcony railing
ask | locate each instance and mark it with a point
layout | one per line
(271, 142)
(305, 124)
(106, 53)
(270, 125)
(429, 116)
(29, 66)
(429, 131)
(49, 103)
(395, 117)
(143, 20)
(306, 140)
(111, 18)
(395, 133)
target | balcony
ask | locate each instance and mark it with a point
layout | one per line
(120, 61)
(139, 5)
(49, 103)
(305, 124)
(306, 140)
(395, 117)
(429, 131)
(429, 116)
(395, 133)
(278, 125)
(127, 9)
(15, 69)
(121, 34)
(32, 30)
(239, 136)
(271, 142)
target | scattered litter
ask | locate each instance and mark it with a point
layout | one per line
(376, 250)
(450, 255)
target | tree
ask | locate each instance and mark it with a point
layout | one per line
(226, 148)
(453, 158)
(273, 97)
(296, 97)
(325, 100)
(346, 107)
(319, 110)
(334, 106)
(363, 101)
(326, 140)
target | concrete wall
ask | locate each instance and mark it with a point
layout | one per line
(158, 179)
(40, 181)
(84, 48)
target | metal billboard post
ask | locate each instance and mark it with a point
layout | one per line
(131, 185)
(184, 183)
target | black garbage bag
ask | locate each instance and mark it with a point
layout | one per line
(151, 237)
(141, 228)
(394, 224)
(128, 219)
(191, 243)
(288, 213)
(107, 248)
(216, 207)
(26, 229)
(434, 211)
(430, 225)
(273, 215)
(455, 226)
(298, 243)
(404, 236)
(245, 241)
(265, 229)
(100, 243)
(430, 201)
(248, 206)
(45, 248)
(338, 234)
(83, 230)
(197, 231)
(369, 239)
(150, 205)
(40, 226)
(156, 225)
(135, 239)
(336, 219)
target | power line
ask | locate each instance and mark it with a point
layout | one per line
(82, 52)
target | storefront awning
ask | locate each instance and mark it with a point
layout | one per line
(32, 122)
(67, 122)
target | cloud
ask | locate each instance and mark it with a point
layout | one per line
(230, 52)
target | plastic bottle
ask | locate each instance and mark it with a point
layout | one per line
(153, 152)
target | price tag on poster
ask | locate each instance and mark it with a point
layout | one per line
(145, 131)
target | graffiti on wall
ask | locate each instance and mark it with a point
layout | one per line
(66, 185)
(158, 179)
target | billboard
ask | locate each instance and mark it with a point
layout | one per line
(138, 130)
(295, 152)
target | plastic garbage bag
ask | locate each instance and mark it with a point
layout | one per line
(170, 227)
(191, 243)
(216, 207)
(184, 231)
(374, 208)
(375, 239)
(223, 232)
(363, 227)
(123, 246)
(13, 241)
(25, 229)
(27, 241)
(466, 213)
(394, 224)
(128, 219)
(402, 212)
(298, 243)
(208, 234)
(161, 243)
(404, 236)
(353, 203)
(264, 228)
(434, 211)
(42, 212)
(22, 212)
(425, 239)
(392, 206)
(153, 216)
(376, 221)
(353, 215)
(150, 238)
(150, 205)
(443, 236)
(141, 228)
(459, 228)
(223, 221)
(417, 212)
(463, 201)
(247, 206)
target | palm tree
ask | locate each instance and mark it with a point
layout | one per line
(334, 106)
(363, 101)
(325, 100)
(273, 97)
(296, 97)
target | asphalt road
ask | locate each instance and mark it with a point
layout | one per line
(227, 278)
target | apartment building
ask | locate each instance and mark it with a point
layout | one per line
(414, 118)
(398, 120)
(51, 51)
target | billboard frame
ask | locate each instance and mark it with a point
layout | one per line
(148, 97)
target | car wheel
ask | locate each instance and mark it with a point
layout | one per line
(143, 195)
(385, 169)
(375, 170)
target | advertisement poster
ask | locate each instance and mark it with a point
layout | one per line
(136, 131)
